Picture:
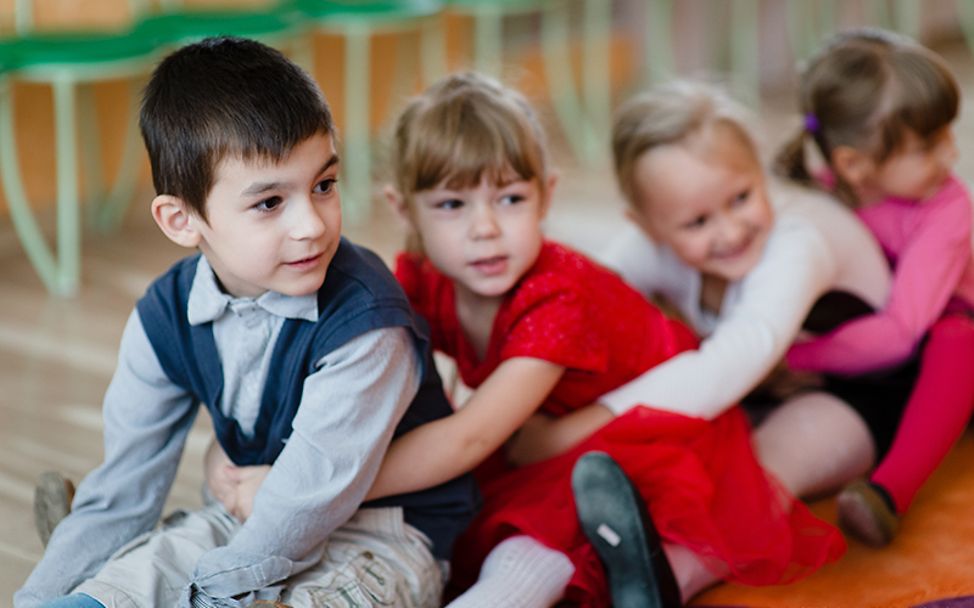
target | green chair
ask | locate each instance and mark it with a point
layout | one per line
(357, 21)
(68, 62)
(172, 26)
(810, 24)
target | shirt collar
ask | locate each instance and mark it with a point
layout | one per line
(208, 303)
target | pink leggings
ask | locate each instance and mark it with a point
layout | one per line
(937, 412)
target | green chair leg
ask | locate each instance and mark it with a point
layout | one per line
(488, 39)
(91, 165)
(433, 49)
(558, 71)
(659, 43)
(907, 17)
(68, 203)
(111, 210)
(745, 62)
(357, 164)
(596, 76)
(59, 272)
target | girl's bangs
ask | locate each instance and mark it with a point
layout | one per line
(459, 154)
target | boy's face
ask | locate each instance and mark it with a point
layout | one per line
(705, 202)
(274, 226)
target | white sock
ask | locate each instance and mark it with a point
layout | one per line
(519, 573)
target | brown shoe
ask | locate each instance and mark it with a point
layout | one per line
(866, 513)
(52, 502)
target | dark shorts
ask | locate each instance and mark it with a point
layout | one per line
(878, 397)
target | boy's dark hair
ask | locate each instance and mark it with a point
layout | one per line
(224, 97)
(866, 89)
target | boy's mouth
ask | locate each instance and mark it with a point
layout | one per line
(304, 262)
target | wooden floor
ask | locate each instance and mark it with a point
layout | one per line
(57, 355)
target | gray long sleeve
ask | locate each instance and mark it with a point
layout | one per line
(344, 425)
(146, 420)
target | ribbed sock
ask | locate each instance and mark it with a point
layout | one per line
(519, 573)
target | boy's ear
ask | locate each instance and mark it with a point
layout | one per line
(851, 165)
(176, 221)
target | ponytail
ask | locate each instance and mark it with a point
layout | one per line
(790, 161)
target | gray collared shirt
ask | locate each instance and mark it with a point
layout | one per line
(348, 412)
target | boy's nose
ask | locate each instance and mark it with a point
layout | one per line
(307, 223)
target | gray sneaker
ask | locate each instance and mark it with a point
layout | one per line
(52, 502)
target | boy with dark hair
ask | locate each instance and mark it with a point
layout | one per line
(301, 345)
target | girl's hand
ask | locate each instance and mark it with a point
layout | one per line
(235, 487)
(529, 443)
(218, 470)
(248, 481)
(542, 437)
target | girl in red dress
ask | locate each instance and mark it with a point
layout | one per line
(536, 327)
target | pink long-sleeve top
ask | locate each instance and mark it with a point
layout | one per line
(928, 244)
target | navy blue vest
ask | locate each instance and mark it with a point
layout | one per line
(359, 295)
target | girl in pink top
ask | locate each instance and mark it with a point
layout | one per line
(880, 108)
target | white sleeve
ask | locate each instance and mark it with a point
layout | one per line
(638, 260)
(751, 336)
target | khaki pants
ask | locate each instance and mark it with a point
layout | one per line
(375, 559)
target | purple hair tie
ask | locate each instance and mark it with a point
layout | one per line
(811, 123)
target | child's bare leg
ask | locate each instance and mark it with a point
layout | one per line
(692, 576)
(519, 573)
(814, 444)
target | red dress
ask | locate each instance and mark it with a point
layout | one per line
(700, 480)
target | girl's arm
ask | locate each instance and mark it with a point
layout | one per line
(441, 450)
(751, 336)
(543, 437)
(926, 275)
(430, 454)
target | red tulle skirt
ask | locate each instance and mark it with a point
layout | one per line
(703, 488)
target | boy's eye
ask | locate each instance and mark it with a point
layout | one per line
(268, 204)
(449, 203)
(695, 223)
(325, 186)
(511, 199)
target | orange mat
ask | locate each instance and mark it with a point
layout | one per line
(931, 558)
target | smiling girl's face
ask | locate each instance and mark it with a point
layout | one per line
(705, 198)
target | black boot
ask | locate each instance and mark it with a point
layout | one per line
(616, 522)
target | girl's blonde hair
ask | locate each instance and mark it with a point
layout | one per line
(866, 89)
(672, 114)
(463, 128)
